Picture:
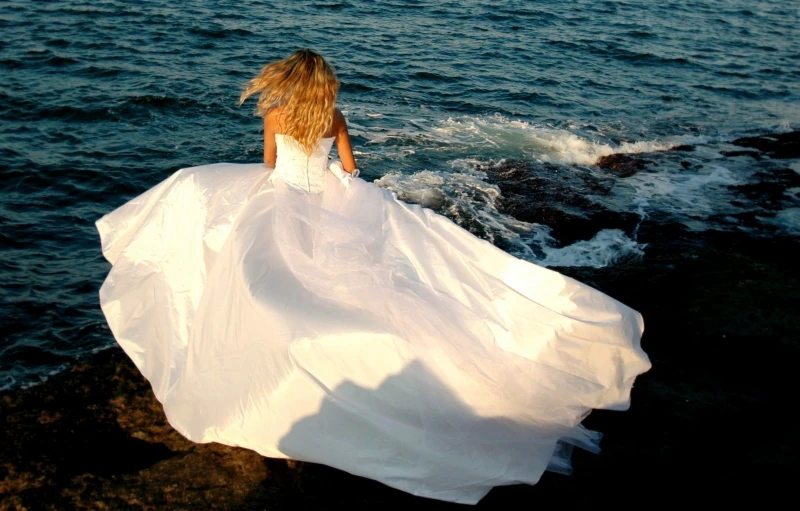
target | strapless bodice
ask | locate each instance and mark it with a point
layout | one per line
(296, 168)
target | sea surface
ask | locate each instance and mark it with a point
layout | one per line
(101, 100)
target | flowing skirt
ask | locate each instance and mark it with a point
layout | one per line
(352, 329)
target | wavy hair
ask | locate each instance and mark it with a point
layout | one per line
(305, 86)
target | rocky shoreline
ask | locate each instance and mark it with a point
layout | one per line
(711, 421)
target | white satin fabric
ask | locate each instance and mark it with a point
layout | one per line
(348, 328)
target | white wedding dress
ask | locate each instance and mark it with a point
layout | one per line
(307, 314)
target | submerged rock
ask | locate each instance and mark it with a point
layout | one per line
(775, 145)
(558, 197)
(772, 188)
(623, 165)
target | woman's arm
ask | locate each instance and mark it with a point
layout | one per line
(270, 149)
(343, 142)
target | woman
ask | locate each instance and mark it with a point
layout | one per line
(297, 310)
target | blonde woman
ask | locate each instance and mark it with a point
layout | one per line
(297, 98)
(294, 309)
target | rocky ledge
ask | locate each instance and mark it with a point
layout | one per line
(712, 421)
(722, 330)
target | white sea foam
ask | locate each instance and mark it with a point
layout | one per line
(9, 383)
(511, 138)
(462, 192)
(544, 143)
(607, 247)
(787, 220)
(104, 347)
(700, 193)
(465, 195)
(42, 377)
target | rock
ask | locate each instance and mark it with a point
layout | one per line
(770, 190)
(721, 328)
(106, 443)
(624, 165)
(775, 145)
(557, 197)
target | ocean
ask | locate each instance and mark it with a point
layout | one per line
(495, 114)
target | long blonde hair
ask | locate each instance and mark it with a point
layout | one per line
(305, 86)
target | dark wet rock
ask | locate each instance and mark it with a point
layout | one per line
(558, 197)
(763, 185)
(721, 328)
(712, 420)
(769, 195)
(752, 221)
(775, 145)
(623, 165)
(568, 228)
(95, 437)
(770, 189)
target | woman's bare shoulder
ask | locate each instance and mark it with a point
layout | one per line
(339, 122)
(338, 116)
(274, 118)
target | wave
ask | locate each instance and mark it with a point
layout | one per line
(786, 221)
(219, 32)
(606, 248)
(550, 144)
(698, 195)
(464, 196)
(515, 138)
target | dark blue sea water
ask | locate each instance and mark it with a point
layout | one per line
(101, 100)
